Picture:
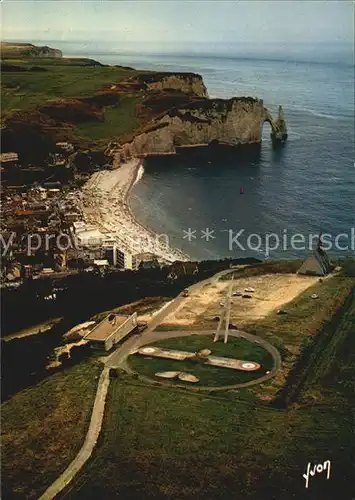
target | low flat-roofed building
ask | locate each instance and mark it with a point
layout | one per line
(111, 330)
(47, 270)
(65, 146)
(89, 237)
(79, 224)
(101, 263)
(8, 157)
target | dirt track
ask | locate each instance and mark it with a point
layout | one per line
(271, 292)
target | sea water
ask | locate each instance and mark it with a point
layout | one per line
(305, 187)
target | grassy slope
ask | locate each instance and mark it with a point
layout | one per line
(167, 444)
(70, 78)
(334, 363)
(208, 375)
(304, 319)
(61, 80)
(117, 121)
(43, 428)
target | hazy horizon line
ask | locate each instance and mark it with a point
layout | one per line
(204, 42)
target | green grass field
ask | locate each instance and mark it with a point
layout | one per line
(165, 444)
(208, 375)
(43, 428)
(63, 79)
(118, 120)
(332, 362)
(305, 318)
(170, 444)
(71, 78)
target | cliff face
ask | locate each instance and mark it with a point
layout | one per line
(9, 49)
(231, 122)
(160, 82)
(46, 52)
(189, 83)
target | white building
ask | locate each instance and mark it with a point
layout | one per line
(111, 330)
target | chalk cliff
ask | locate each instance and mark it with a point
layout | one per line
(189, 83)
(183, 82)
(231, 122)
(9, 49)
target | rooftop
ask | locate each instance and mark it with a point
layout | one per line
(5, 157)
(107, 327)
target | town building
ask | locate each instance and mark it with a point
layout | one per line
(65, 146)
(8, 159)
(91, 239)
(111, 330)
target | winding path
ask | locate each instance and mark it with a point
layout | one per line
(118, 359)
(90, 441)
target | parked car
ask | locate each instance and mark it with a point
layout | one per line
(281, 311)
(185, 293)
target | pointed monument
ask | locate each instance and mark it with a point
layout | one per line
(225, 316)
(318, 264)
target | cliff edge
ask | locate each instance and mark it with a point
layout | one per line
(231, 122)
(118, 110)
(13, 50)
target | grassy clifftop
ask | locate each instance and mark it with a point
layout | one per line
(34, 88)
(118, 100)
(12, 49)
(62, 78)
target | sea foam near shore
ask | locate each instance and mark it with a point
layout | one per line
(104, 202)
(139, 175)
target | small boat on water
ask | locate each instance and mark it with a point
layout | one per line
(241, 191)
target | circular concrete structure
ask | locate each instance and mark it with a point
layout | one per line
(250, 366)
(148, 350)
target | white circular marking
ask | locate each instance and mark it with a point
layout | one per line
(148, 350)
(248, 365)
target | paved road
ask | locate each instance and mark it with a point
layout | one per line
(116, 358)
(119, 358)
(90, 441)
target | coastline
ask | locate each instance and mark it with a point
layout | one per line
(104, 202)
(138, 174)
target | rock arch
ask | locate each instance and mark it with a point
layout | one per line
(278, 127)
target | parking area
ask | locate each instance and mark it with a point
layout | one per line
(271, 291)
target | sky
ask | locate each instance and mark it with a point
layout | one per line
(175, 23)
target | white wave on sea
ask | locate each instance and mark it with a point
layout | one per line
(314, 113)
